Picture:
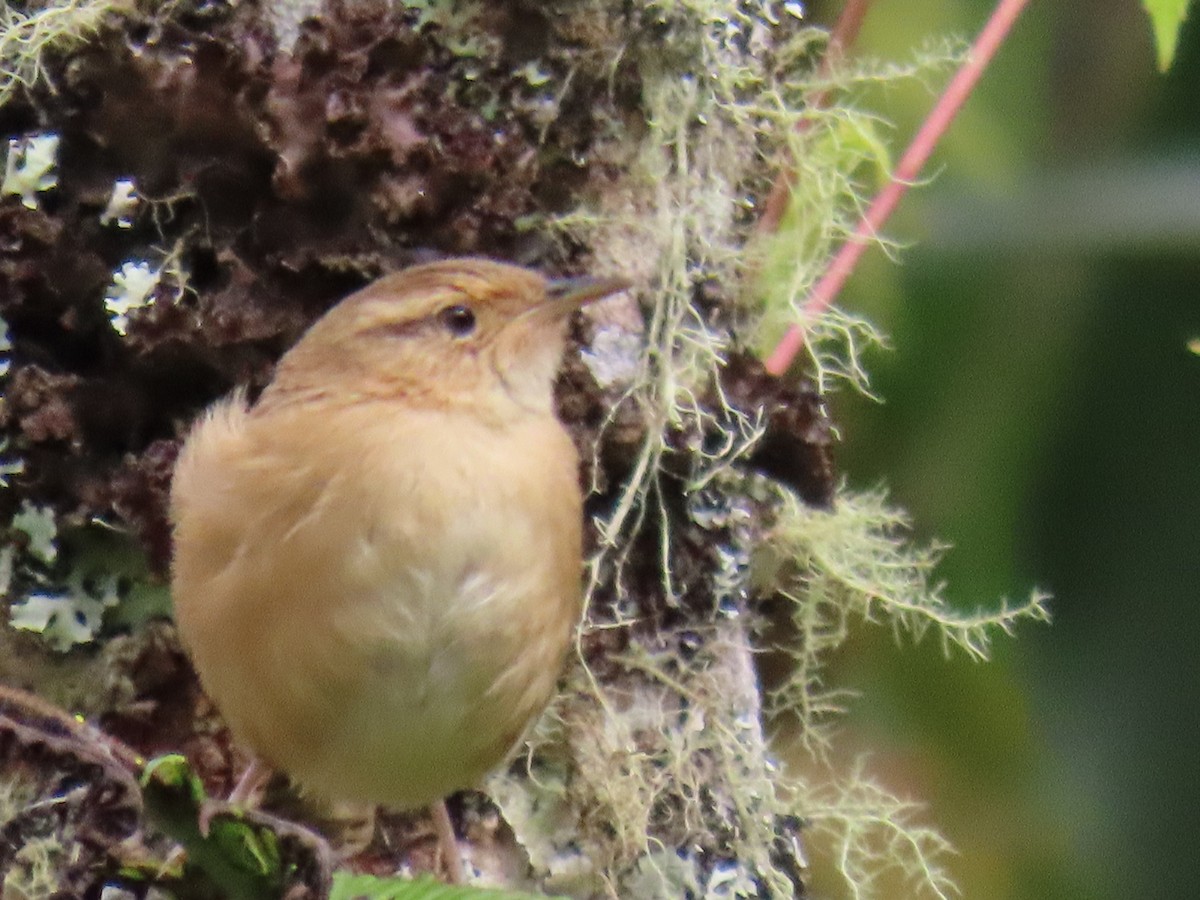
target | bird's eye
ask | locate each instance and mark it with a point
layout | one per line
(458, 320)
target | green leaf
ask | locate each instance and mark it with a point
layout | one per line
(238, 859)
(173, 771)
(347, 886)
(1167, 18)
(250, 849)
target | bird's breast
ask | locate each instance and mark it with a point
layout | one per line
(385, 621)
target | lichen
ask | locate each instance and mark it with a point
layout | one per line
(60, 584)
(34, 871)
(40, 529)
(123, 203)
(132, 287)
(875, 842)
(269, 185)
(30, 167)
(5, 347)
(27, 37)
(651, 775)
(289, 160)
(65, 619)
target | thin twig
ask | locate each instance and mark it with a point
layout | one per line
(841, 39)
(909, 167)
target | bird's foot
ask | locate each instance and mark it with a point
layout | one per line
(448, 849)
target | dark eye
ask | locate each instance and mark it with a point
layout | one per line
(458, 320)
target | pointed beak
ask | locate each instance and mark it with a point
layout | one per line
(571, 293)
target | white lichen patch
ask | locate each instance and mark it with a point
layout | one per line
(285, 17)
(5, 347)
(30, 167)
(8, 466)
(613, 355)
(65, 619)
(40, 529)
(132, 287)
(64, 616)
(7, 556)
(59, 582)
(29, 30)
(123, 204)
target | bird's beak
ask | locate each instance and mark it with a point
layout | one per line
(569, 294)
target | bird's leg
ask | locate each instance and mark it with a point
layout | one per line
(246, 794)
(447, 843)
(253, 780)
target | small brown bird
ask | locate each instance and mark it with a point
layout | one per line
(378, 565)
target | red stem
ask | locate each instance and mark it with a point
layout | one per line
(907, 169)
(841, 38)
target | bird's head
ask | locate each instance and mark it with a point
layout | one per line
(457, 332)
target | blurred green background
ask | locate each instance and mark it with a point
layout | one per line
(1041, 415)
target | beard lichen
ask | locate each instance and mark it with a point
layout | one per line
(652, 776)
(30, 31)
(465, 127)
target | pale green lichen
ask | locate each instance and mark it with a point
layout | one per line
(874, 841)
(655, 779)
(26, 36)
(855, 564)
(40, 528)
(34, 867)
(63, 583)
(66, 614)
(30, 168)
(639, 787)
(69, 617)
(838, 155)
(843, 567)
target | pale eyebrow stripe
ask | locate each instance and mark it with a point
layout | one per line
(401, 329)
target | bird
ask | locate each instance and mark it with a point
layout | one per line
(377, 565)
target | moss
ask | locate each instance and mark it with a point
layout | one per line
(280, 162)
